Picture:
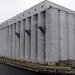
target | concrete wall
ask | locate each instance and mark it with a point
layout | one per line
(22, 39)
(34, 30)
(43, 33)
(71, 36)
(18, 39)
(63, 35)
(28, 39)
(41, 38)
(52, 36)
(13, 41)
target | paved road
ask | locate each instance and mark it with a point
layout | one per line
(11, 70)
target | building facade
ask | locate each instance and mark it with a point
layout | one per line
(44, 33)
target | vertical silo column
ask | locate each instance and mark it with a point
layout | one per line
(22, 39)
(0, 44)
(63, 36)
(3, 40)
(7, 41)
(9, 54)
(6, 32)
(52, 36)
(10, 42)
(41, 37)
(14, 40)
(34, 38)
(17, 40)
(28, 39)
(71, 48)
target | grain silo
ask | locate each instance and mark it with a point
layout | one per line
(43, 34)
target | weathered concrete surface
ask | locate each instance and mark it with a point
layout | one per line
(27, 40)
(63, 36)
(13, 41)
(71, 37)
(34, 38)
(41, 39)
(22, 39)
(43, 33)
(17, 41)
(52, 35)
(10, 42)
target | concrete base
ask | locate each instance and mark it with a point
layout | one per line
(27, 60)
(68, 62)
(52, 63)
(33, 61)
(42, 62)
(22, 59)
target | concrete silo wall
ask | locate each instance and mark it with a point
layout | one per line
(42, 34)
(52, 35)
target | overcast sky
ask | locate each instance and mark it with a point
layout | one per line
(10, 8)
